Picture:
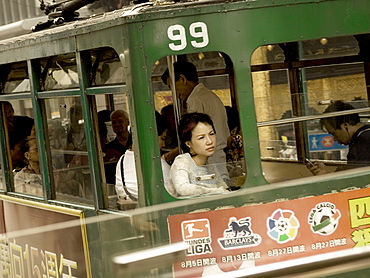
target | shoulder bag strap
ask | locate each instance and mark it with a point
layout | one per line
(123, 182)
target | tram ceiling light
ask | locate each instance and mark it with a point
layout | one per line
(324, 41)
(201, 55)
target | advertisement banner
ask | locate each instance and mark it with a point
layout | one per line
(231, 239)
(49, 254)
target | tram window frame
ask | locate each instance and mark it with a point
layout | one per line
(301, 92)
(93, 91)
(21, 142)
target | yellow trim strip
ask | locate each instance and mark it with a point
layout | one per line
(85, 245)
(40, 205)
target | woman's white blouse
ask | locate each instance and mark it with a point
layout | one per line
(188, 179)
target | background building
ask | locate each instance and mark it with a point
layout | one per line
(17, 17)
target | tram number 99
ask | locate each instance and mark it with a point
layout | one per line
(197, 30)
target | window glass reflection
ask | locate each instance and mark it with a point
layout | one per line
(68, 148)
(16, 78)
(114, 130)
(22, 144)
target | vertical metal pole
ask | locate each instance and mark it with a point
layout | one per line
(175, 100)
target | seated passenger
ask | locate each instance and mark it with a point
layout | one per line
(18, 128)
(110, 156)
(75, 181)
(76, 138)
(346, 130)
(171, 135)
(28, 180)
(120, 124)
(126, 180)
(190, 174)
(57, 140)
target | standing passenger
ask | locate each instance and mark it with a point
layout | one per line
(200, 99)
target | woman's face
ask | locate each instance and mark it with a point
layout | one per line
(161, 139)
(203, 140)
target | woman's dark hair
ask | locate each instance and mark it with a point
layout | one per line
(187, 123)
(103, 117)
(232, 118)
(25, 144)
(335, 122)
(161, 123)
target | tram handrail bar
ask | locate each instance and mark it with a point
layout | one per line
(313, 266)
(313, 117)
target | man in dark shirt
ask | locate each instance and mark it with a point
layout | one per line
(346, 130)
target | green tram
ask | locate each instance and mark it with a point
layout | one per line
(279, 64)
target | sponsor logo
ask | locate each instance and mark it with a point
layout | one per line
(282, 226)
(197, 234)
(324, 218)
(239, 234)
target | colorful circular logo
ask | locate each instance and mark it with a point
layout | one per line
(282, 226)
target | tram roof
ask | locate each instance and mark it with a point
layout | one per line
(134, 14)
(139, 12)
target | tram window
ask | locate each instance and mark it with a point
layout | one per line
(68, 148)
(214, 70)
(109, 68)
(115, 139)
(22, 145)
(60, 72)
(15, 78)
(267, 54)
(329, 48)
(268, 94)
(316, 76)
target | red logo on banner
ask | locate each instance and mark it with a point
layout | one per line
(195, 229)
